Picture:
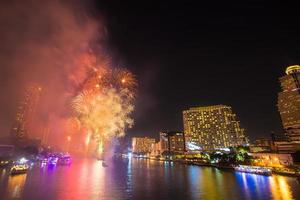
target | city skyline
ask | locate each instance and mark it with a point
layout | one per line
(265, 136)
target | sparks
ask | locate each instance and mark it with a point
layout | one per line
(105, 103)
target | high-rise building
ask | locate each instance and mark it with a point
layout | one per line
(212, 128)
(289, 102)
(173, 141)
(26, 111)
(143, 145)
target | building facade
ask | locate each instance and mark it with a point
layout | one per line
(261, 145)
(173, 141)
(24, 121)
(143, 145)
(289, 102)
(273, 159)
(212, 128)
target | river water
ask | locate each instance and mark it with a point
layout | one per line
(142, 180)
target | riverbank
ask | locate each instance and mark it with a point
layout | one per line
(283, 171)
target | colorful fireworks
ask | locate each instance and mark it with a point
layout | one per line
(105, 103)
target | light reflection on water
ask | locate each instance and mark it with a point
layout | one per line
(280, 188)
(15, 186)
(143, 179)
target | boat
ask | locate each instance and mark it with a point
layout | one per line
(254, 170)
(52, 160)
(4, 162)
(19, 169)
(64, 160)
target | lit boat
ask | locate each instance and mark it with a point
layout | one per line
(52, 160)
(19, 169)
(254, 170)
(65, 160)
(44, 161)
(4, 163)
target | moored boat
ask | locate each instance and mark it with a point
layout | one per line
(19, 169)
(64, 160)
(254, 170)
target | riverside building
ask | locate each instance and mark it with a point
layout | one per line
(212, 128)
(289, 103)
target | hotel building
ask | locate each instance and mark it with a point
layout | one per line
(26, 113)
(143, 145)
(289, 102)
(212, 128)
(173, 141)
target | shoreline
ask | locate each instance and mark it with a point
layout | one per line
(222, 167)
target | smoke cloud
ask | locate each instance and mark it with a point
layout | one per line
(44, 42)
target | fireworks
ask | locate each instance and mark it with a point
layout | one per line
(104, 104)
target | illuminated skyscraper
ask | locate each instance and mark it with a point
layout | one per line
(212, 128)
(142, 145)
(173, 141)
(26, 112)
(289, 102)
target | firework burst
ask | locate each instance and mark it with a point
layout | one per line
(105, 103)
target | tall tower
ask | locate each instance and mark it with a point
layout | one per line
(289, 102)
(211, 128)
(26, 111)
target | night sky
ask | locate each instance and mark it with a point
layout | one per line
(187, 54)
(183, 54)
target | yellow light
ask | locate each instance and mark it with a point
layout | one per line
(100, 147)
(87, 140)
(69, 138)
(293, 68)
(123, 80)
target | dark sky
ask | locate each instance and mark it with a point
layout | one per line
(183, 54)
(187, 54)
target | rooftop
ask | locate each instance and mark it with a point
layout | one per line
(292, 69)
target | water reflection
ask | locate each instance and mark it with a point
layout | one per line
(15, 186)
(143, 179)
(85, 179)
(274, 187)
(280, 188)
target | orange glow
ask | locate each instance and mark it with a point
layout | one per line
(15, 186)
(104, 104)
(100, 147)
(87, 140)
(280, 188)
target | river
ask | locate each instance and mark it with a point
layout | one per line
(142, 179)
